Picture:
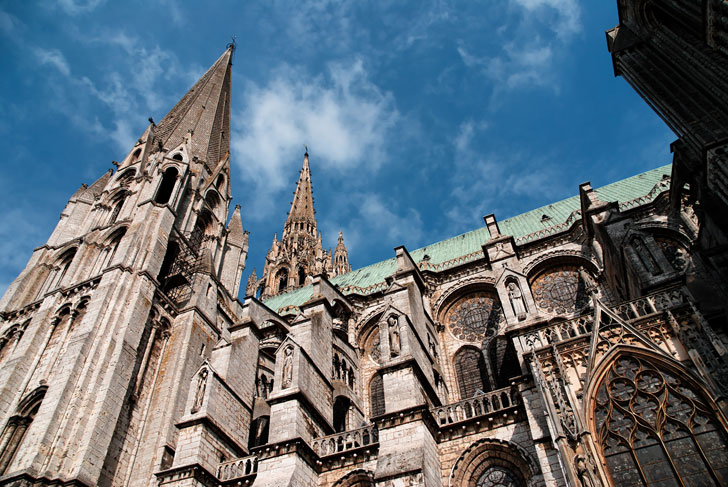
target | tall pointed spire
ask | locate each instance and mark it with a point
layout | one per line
(205, 112)
(302, 205)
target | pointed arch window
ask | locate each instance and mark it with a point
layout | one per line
(471, 372)
(118, 204)
(164, 193)
(282, 280)
(17, 426)
(655, 427)
(301, 276)
(376, 396)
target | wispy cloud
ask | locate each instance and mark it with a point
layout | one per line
(532, 40)
(345, 119)
(491, 182)
(76, 7)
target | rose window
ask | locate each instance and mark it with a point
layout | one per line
(560, 290)
(475, 317)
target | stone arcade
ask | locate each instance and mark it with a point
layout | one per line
(583, 343)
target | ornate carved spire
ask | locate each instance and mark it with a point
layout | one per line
(302, 205)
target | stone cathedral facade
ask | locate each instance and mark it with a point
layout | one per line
(580, 344)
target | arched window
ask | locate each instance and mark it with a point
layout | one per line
(113, 246)
(168, 262)
(212, 200)
(282, 280)
(301, 276)
(471, 372)
(177, 157)
(202, 225)
(492, 463)
(166, 186)
(17, 426)
(655, 427)
(118, 204)
(475, 316)
(136, 156)
(65, 262)
(376, 396)
(341, 412)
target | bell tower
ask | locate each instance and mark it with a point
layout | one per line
(299, 255)
(121, 306)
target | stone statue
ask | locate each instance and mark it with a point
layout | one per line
(394, 342)
(287, 369)
(586, 475)
(516, 297)
(200, 393)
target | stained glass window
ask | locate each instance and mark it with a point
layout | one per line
(376, 396)
(475, 317)
(497, 477)
(560, 290)
(654, 428)
(471, 373)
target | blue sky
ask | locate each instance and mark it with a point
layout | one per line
(420, 116)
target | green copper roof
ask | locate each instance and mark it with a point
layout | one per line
(529, 226)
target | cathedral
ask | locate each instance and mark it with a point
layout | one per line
(580, 344)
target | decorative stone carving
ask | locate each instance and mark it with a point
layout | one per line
(200, 390)
(586, 472)
(516, 297)
(395, 344)
(287, 369)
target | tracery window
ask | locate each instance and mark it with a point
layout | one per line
(475, 317)
(560, 290)
(655, 428)
(674, 252)
(497, 477)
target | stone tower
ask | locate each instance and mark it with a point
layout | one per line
(110, 331)
(298, 256)
(674, 53)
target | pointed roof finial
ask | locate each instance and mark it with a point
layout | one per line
(234, 43)
(305, 147)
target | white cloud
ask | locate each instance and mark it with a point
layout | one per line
(485, 183)
(53, 57)
(343, 118)
(76, 7)
(567, 19)
(531, 42)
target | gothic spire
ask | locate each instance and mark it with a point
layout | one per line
(302, 205)
(205, 112)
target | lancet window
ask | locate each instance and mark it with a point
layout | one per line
(376, 396)
(164, 193)
(17, 426)
(471, 372)
(654, 427)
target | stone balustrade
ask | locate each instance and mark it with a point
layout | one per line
(477, 406)
(347, 440)
(238, 468)
(582, 325)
